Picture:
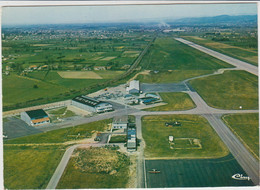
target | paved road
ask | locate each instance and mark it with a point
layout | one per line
(170, 87)
(242, 155)
(64, 161)
(237, 63)
(141, 178)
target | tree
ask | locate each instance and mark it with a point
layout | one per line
(35, 86)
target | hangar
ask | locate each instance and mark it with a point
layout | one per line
(35, 117)
(91, 104)
(134, 87)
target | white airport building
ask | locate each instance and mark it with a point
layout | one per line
(134, 87)
(91, 104)
(120, 122)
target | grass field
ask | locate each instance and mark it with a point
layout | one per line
(195, 173)
(96, 168)
(175, 101)
(30, 167)
(118, 139)
(60, 113)
(63, 135)
(233, 89)
(20, 89)
(238, 52)
(246, 127)
(171, 76)
(156, 136)
(169, 54)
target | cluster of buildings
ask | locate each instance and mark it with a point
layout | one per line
(122, 122)
(40, 117)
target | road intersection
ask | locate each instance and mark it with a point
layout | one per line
(213, 115)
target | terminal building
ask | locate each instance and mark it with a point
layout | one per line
(134, 87)
(35, 117)
(91, 104)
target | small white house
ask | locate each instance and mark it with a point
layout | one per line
(120, 122)
(170, 138)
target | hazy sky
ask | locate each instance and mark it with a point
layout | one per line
(90, 14)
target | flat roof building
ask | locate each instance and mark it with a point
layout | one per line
(91, 104)
(35, 117)
(134, 87)
(120, 122)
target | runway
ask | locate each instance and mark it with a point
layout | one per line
(236, 62)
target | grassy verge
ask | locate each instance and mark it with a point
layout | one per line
(63, 135)
(156, 137)
(175, 101)
(96, 168)
(118, 139)
(61, 113)
(233, 89)
(30, 167)
(246, 127)
(171, 76)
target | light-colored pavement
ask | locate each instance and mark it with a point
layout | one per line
(141, 179)
(236, 62)
(242, 155)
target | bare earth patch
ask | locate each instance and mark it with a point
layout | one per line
(108, 58)
(79, 75)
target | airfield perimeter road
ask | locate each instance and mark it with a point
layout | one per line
(64, 161)
(239, 64)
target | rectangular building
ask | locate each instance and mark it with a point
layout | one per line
(35, 117)
(131, 139)
(120, 122)
(134, 87)
(91, 104)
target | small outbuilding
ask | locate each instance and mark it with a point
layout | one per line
(35, 117)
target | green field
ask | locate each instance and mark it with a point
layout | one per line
(156, 135)
(244, 53)
(30, 167)
(96, 168)
(169, 54)
(175, 101)
(118, 139)
(246, 127)
(171, 76)
(233, 89)
(63, 135)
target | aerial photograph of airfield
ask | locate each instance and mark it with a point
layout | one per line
(130, 96)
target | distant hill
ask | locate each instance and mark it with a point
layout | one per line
(222, 19)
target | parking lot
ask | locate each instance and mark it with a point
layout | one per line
(17, 128)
